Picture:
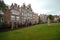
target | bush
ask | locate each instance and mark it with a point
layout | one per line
(59, 19)
(4, 25)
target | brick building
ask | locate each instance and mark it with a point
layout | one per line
(12, 14)
(21, 15)
(43, 18)
(56, 18)
(27, 13)
(35, 18)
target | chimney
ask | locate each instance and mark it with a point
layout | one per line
(11, 4)
(18, 6)
(15, 4)
(23, 4)
(29, 5)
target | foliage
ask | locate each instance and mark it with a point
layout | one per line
(0, 17)
(4, 25)
(59, 19)
(3, 6)
(40, 21)
(50, 17)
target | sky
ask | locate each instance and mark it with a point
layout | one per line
(40, 6)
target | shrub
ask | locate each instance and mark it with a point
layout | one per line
(59, 19)
(4, 25)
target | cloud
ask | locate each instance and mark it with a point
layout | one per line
(40, 6)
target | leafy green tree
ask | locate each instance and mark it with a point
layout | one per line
(3, 6)
(50, 17)
(39, 20)
(1, 17)
(59, 19)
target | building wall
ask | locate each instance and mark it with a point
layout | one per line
(23, 14)
(56, 18)
(26, 13)
(12, 14)
(35, 18)
(43, 18)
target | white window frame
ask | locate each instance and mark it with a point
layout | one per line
(17, 18)
(12, 17)
(15, 12)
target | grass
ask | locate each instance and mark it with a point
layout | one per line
(37, 32)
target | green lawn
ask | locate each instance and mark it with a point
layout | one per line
(37, 32)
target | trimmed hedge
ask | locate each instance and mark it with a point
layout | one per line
(4, 25)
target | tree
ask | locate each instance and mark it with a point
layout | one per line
(40, 20)
(3, 6)
(59, 20)
(50, 17)
(0, 17)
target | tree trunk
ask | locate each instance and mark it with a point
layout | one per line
(16, 25)
(12, 26)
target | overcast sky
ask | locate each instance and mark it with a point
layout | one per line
(40, 6)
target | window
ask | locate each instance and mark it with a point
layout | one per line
(17, 18)
(23, 21)
(25, 18)
(1, 19)
(29, 14)
(12, 17)
(1, 12)
(28, 17)
(15, 12)
(24, 14)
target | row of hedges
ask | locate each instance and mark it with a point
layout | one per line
(4, 25)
